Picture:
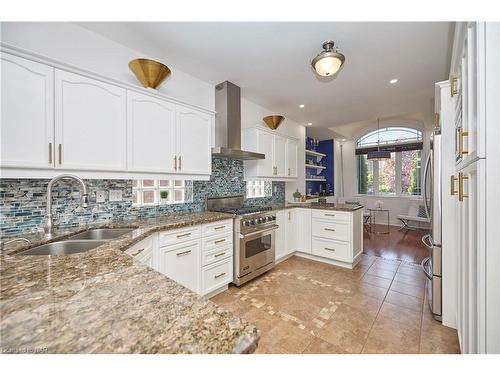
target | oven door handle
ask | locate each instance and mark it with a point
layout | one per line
(259, 231)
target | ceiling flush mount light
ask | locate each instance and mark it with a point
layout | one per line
(329, 61)
(378, 154)
(309, 123)
(301, 105)
(393, 81)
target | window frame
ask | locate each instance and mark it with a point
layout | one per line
(398, 165)
(139, 189)
(252, 185)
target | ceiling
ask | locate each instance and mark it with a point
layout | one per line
(271, 63)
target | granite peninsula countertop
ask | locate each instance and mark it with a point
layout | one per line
(104, 301)
(320, 206)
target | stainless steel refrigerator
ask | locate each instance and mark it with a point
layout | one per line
(432, 190)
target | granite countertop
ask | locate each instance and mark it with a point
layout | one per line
(321, 206)
(104, 301)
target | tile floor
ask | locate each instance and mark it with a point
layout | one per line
(304, 306)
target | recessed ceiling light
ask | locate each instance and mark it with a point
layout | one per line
(309, 123)
(393, 81)
(301, 105)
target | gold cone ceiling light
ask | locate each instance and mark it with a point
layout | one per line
(273, 121)
(150, 73)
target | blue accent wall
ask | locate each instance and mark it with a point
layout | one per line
(325, 147)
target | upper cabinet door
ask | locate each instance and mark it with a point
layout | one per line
(194, 129)
(151, 134)
(265, 143)
(90, 124)
(27, 116)
(292, 147)
(280, 156)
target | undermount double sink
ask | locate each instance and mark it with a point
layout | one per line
(78, 243)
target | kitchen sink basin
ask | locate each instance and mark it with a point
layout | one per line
(63, 248)
(101, 234)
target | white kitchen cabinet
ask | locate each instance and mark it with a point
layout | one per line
(216, 276)
(182, 263)
(292, 152)
(302, 229)
(150, 134)
(281, 155)
(145, 252)
(281, 234)
(90, 124)
(27, 115)
(193, 134)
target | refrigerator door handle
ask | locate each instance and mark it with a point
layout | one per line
(424, 265)
(426, 169)
(427, 241)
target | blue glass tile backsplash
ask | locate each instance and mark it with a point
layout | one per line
(22, 201)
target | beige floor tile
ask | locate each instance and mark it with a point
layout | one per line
(364, 303)
(381, 273)
(398, 314)
(412, 271)
(348, 329)
(377, 281)
(319, 346)
(411, 290)
(390, 337)
(410, 279)
(372, 290)
(403, 300)
(288, 338)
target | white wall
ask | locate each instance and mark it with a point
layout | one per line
(78, 46)
(251, 116)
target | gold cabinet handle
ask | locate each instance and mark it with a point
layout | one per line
(219, 241)
(60, 153)
(452, 185)
(329, 214)
(461, 178)
(329, 229)
(175, 163)
(289, 171)
(289, 215)
(219, 275)
(453, 86)
(436, 120)
(461, 135)
(137, 252)
(219, 254)
(50, 153)
(329, 249)
(221, 227)
(180, 163)
(183, 253)
(183, 235)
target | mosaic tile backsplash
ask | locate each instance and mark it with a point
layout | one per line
(23, 201)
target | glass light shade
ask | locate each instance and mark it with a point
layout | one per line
(328, 65)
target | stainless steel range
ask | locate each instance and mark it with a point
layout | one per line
(254, 236)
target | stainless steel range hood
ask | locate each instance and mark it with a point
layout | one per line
(228, 124)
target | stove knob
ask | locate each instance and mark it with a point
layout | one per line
(252, 222)
(259, 220)
(271, 218)
(246, 223)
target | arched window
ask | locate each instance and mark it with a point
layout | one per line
(400, 174)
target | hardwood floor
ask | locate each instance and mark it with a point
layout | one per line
(402, 245)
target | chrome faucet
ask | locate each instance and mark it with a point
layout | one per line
(48, 215)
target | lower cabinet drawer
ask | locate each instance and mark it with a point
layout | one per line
(331, 215)
(221, 240)
(332, 249)
(216, 275)
(214, 255)
(331, 230)
(181, 263)
(217, 227)
(173, 237)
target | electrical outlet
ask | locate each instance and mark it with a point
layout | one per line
(100, 196)
(115, 196)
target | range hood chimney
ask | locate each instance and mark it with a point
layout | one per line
(228, 124)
